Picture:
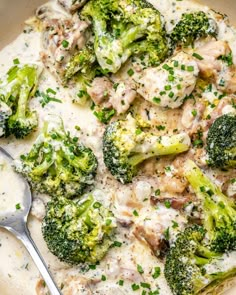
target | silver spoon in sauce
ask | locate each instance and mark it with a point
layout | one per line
(16, 223)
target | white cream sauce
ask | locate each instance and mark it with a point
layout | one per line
(11, 187)
(18, 274)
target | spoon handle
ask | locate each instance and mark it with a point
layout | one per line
(24, 236)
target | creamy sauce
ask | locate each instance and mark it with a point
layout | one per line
(11, 188)
(18, 274)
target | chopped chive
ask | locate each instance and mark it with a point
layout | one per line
(167, 204)
(160, 127)
(140, 269)
(157, 192)
(65, 43)
(190, 68)
(50, 90)
(174, 224)
(198, 56)
(171, 94)
(171, 78)
(135, 287)
(156, 99)
(138, 131)
(130, 72)
(157, 272)
(135, 213)
(167, 87)
(194, 113)
(108, 222)
(16, 61)
(176, 63)
(117, 244)
(18, 206)
(145, 285)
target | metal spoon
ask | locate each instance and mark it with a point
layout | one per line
(16, 223)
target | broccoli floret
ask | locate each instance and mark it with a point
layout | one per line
(191, 27)
(221, 142)
(80, 62)
(219, 211)
(123, 29)
(58, 164)
(191, 267)
(78, 232)
(15, 91)
(126, 144)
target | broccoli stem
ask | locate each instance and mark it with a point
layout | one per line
(164, 145)
(84, 206)
(218, 209)
(22, 102)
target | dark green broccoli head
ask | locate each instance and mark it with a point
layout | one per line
(219, 211)
(15, 91)
(57, 164)
(221, 142)
(78, 232)
(191, 27)
(124, 29)
(191, 267)
(126, 144)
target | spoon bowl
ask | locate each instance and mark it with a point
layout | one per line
(16, 223)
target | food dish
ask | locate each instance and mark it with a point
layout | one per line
(128, 202)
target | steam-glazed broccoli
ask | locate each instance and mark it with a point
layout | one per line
(191, 267)
(58, 164)
(203, 256)
(16, 88)
(123, 29)
(191, 27)
(78, 232)
(219, 211)
(221, 142)
(126, 144)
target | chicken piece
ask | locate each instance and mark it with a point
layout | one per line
(226, 80)
(41, 288)
(122, 97)
(209, 65)
(38, 209)
(72, 5)
(61, 38)
(172, 184)
(151, 225)
(74, 285)
(100, 90)
(176, 203)
(168, 84)
(224, 107)
(192, 115)
(216, 61)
